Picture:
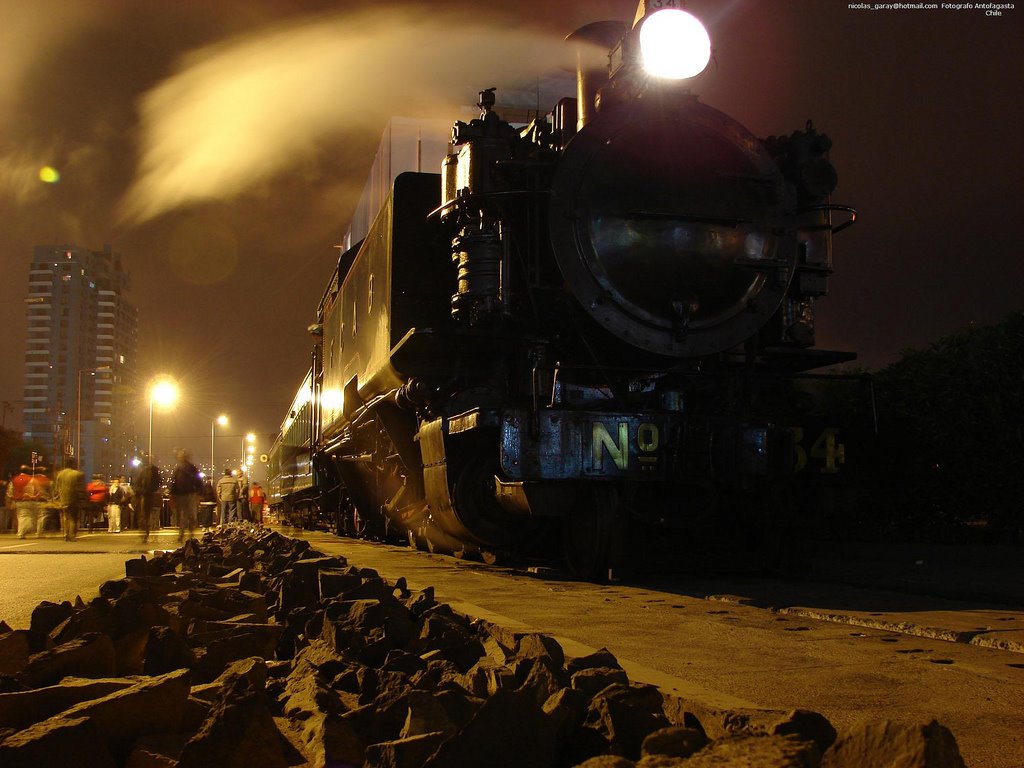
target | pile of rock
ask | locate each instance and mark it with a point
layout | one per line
(250, 649)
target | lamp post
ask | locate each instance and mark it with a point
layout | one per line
(223, 421)
(164, 392)
(250, 439)
(78, 412)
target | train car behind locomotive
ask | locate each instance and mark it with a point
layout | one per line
(583, 327)
(293, 493)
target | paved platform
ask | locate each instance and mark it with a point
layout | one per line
(977, 591)
(988, 574)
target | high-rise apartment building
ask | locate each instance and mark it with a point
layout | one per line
(80, 358)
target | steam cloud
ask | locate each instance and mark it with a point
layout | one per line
(242, 111)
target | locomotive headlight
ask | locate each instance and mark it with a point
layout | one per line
(674, 45)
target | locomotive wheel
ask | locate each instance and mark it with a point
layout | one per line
(418, 538)
(355, 523)
(588, 531)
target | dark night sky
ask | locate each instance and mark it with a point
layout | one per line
(245, 190)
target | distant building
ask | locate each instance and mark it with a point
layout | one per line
(80, 349)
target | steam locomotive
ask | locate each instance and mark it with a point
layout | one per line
(592, 323)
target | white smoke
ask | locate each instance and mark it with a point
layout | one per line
(240, 112)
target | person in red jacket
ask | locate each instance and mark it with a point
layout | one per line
(98, 491)
(17, 502)
(40, 492)
(257, 498)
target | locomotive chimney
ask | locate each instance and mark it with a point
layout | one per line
(591, 66)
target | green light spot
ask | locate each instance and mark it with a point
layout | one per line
(49, 175)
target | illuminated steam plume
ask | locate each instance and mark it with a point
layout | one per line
(239, 112)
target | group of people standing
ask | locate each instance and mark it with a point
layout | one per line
(31, 497)
(238, 500)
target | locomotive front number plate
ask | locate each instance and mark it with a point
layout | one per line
(566, 445)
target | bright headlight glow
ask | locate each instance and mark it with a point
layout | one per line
(674, 44)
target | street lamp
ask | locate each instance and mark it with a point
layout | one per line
(223, 421)
(78, 413)
(164, 392)
(250, 439)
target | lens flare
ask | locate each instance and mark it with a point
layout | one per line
(49, 174)
(164, 392)
(674, 45)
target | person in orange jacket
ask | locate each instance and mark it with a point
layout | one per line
(98, 491)
(257, 498)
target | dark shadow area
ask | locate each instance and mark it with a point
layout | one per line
(861, 577)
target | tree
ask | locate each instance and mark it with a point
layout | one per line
(954, 413)
(14, 452)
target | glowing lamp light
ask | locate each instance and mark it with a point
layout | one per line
(164, 393)
(674, 45)
(49, 174)
(331, 399)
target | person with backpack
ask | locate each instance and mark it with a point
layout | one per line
(186, 483)
(147, 496)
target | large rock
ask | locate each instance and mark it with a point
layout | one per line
(91, 655)
(166, 651)
(369, 619)
(410, 752)
(159, 751)
(239, 733)
(487, 677)
(71, 742)
(228, 645)
(130, 652)
(330, 740)
(426, 714)
(14, 652)
(807, 726)
(600, 658)
(20, 709)
(253, 669)
(624, 715)
(152, 706)
(894, 745)
(47, 615)
(591, 681)
(760, 751)
(538, 679)
(674, 741)
(510, 729)
(335, 581)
